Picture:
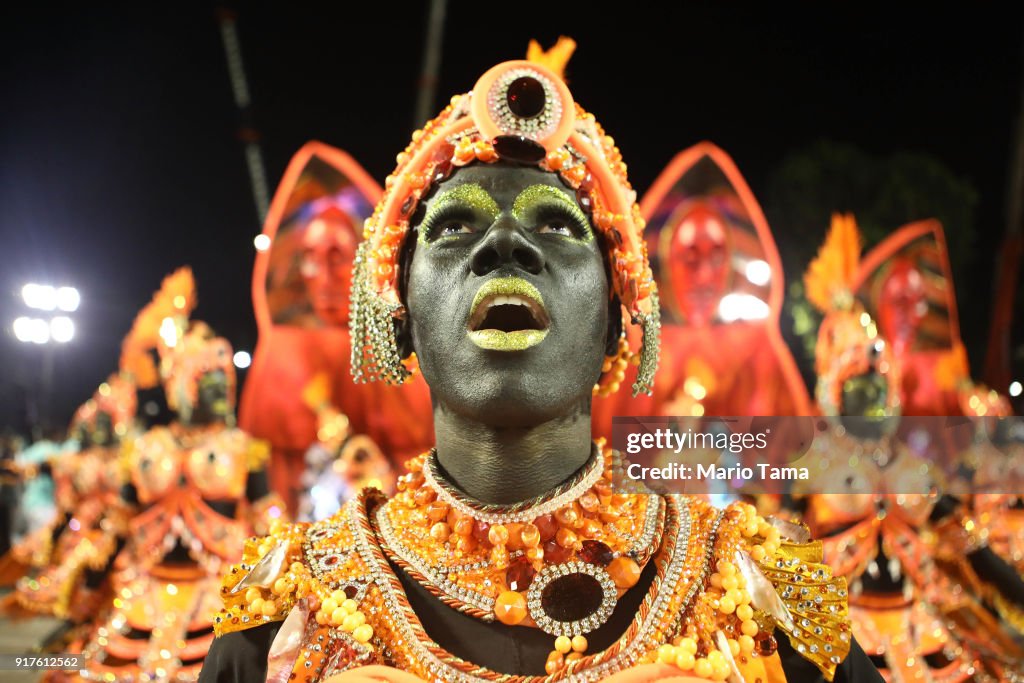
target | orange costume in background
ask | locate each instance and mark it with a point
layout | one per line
(199, 492)
(300, 295)
(90, 516)
(874, 501)
(906, 284)
(721, 285)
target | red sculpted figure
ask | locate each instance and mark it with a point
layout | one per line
(698, 264)
(329, 247)
(721, 286)
(906, 284)
(301, 284)
(902, 305)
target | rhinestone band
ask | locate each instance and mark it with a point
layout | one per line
(536, 128)
(466, 506)
(436, 577)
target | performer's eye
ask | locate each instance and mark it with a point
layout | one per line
(556, 228)
(451, 221)
(453, 228)
(552, 218)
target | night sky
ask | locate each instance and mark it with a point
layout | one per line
(120, 158)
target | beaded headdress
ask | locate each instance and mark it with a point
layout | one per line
(848, 341)
(187, 350)
(519, 112)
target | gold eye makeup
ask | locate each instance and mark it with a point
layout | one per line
(540, 203)
(460, 203)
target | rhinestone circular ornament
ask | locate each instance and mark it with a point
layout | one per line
(571, 599)
(526, 100)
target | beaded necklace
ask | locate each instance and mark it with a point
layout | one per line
(558, 562)
(724, 580)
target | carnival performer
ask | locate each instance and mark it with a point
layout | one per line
(200, 489)
(998, 504)
(722, 286)
(877, 507)
(507, 253)
(91, 520)
(300, 294)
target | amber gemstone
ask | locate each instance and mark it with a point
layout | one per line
(519, 574)
(525, 97)
(567, 516)
(589, 501)
(566, 539)
(498, 534)
(515, 536)
(571, 597)
(480, 530)
(547, 526)
(556, 554)
(530, 535)
(625, 572)
(591, 529)
(425, 496)
(444, 152)
(519, 149)
(437, 511)
(766, 645)
(596, 552)
(351, 591)
(510, 607)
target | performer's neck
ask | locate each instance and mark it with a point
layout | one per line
(503, 465)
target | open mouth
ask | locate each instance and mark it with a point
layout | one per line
(508, 314)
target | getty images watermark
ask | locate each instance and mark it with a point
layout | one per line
(677, 441)
(808, 455)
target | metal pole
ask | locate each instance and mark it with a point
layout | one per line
(247, 131)
(46, 393)
(427, 86)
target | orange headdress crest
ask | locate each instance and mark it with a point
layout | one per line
(186, 350)
(848, 340)
(829, 279)
(556, 58)
(519, 112)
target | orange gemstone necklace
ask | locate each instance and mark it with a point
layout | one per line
(559, 562)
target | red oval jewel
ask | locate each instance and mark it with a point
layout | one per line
(556, 554)
(519, 574)
(596, 552)
(547, 526)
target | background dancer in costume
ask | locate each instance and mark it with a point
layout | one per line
(876, 505)
(91, 520)
(200, 489)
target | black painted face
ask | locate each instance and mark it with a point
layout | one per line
(212, 405)
(864, 399)
(103, 432)
(508, 297)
